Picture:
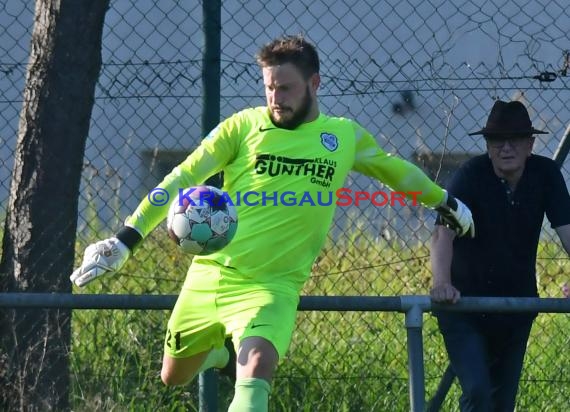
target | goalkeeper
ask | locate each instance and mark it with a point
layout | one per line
(249, 290)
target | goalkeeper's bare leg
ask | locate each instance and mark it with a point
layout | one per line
(179, 371)
(257, 360)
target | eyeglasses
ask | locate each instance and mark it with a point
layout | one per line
(500, 143)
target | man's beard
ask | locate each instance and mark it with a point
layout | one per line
(298, 116)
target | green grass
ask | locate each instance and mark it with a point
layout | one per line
(352, 361)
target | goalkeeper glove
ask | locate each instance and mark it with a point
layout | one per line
(106, 256)
(456, 216)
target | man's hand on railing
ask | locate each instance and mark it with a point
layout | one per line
(444, 292)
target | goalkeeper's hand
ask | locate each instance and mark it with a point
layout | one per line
(456, 216)
(105, 256)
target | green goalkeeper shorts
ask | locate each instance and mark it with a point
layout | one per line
(217, 301)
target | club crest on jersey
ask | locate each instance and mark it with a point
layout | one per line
(329, 141)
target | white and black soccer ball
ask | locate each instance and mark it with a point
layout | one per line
(202, 220)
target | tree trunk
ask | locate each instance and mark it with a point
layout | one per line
(40, 227)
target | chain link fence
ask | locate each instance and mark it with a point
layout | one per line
(419, 75)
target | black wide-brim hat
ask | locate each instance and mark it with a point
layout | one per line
(508, 119)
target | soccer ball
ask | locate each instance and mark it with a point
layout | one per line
(201, 220)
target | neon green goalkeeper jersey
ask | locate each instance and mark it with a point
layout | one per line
(281, 182)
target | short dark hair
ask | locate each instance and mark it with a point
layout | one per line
(290, 49)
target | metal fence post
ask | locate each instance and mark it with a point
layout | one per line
(563, 148)
(211, 15)
(413, 307)
(208, 391)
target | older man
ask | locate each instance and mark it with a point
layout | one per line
(509, 190)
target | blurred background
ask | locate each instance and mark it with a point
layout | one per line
(419, 75)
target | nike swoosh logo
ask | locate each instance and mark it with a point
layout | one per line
(265, 129)
(253, 326)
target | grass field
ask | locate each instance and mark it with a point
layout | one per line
(337, 361)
